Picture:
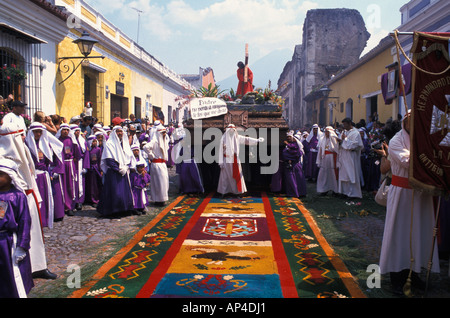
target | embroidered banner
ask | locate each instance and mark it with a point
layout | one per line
(430, 132)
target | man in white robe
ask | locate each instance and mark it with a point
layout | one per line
(350, 161)
(157, 151)
(328, 149)
(398, 247)
(231, 178)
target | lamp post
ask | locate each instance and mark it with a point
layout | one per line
(85, 44)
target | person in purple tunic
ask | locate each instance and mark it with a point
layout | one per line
(94, 173)
(82, 165)
(46, 152)
(117, 159)
(140, 182)
(312, 170)
(293, 178)
(71, 153)
(16, 279)
(190, 179)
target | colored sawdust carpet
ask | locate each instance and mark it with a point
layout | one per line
(257, 246)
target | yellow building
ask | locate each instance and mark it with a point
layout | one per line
(125, 80)
(356, 91)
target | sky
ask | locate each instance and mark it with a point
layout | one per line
(188, 34)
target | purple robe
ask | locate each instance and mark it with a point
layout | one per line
(293, 181)
(85, 165)
(16, 219)
(57, 173)
(139, 183)
(42, 164)
(190, 178)
(94, 177)
(116, 193)
(71, 153)
(312, 170)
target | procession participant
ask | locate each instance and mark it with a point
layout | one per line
(12, 146)
(101, 139)
(107, 129)
(140, 181)
(157, 151)
(327, 162)
(15, 234)
(365, 152)
(349, 162)
(231, 179)
(152, 130)
(46, 152)
(14, 119)
(71, 154)
(94, 173)
(189, 176)
(82, 166)
(312, 170)
(244, 87)
(293, 179)
(117, 159)
(410, 219)
(170, 132)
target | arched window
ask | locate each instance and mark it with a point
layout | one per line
(12, 74)
(349, 108)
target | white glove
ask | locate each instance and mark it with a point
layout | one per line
(19, 254)
(84, 171)
(55, 175)
(260, 139)
(123, 170)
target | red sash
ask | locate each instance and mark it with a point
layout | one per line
(237, 173)
(158, 161)
(400, 182)
(336, 171)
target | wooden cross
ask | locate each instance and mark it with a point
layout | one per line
(246, 64)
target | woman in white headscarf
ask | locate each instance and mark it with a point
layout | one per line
(117, 160)
(157, 151)
(231, 179)
(71, 154)
(312, 142)
(83, 164)
(46, 152)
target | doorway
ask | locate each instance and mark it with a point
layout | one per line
(119, 105)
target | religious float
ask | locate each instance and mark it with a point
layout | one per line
(257, 114)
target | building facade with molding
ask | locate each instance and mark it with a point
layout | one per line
(30, 31)
(356, 92)
(127, 80)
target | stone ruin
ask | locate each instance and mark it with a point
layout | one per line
(333, 39)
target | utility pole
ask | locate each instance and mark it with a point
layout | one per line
(139, 22)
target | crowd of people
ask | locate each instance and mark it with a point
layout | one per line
(51, 168)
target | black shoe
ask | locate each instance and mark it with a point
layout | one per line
(79, 206)
(44, 274)
(70, 213)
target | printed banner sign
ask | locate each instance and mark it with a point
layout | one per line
(207, 107)
(430, 142)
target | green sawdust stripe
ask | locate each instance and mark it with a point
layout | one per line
(312, 261)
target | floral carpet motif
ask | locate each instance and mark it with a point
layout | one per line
(257, 246)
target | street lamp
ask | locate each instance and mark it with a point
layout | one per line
(325, 90)
(85, 44)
